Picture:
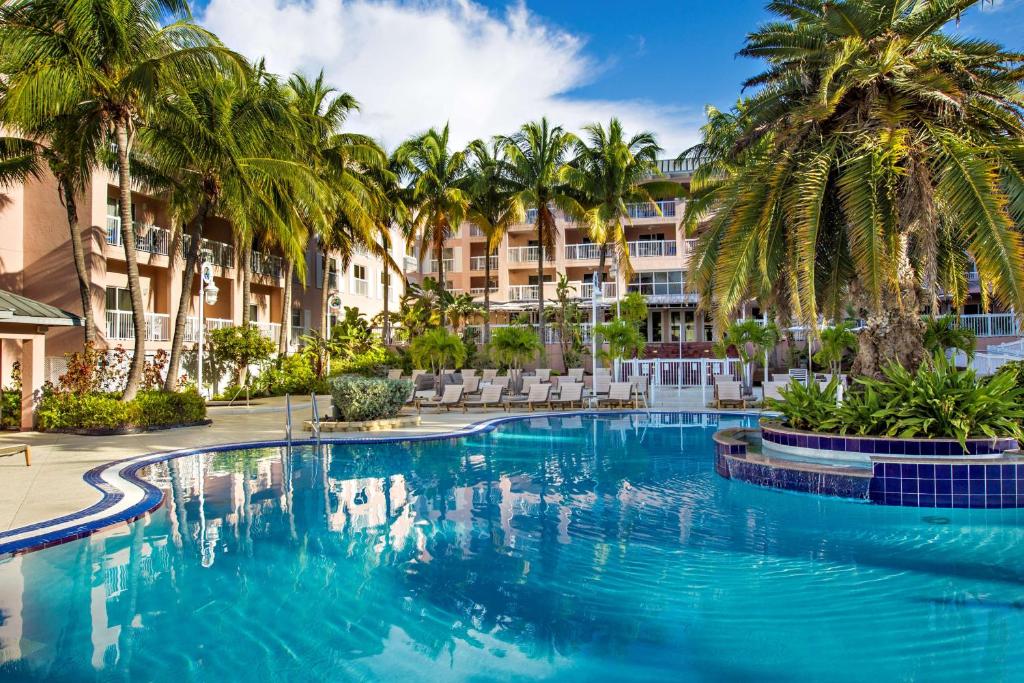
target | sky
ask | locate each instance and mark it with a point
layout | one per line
(486, 66)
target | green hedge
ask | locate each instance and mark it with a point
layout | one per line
(62, 410)
(368, 398)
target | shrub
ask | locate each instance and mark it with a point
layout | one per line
(101, 411)
(513, 345)
(293, 374)
(806, 407)
(239, 347)
(437, 349)
(373, 362)
(368, 398)
(623, 338)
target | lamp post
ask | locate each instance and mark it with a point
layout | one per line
(207, 295)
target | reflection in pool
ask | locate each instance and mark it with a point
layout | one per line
(550, 548)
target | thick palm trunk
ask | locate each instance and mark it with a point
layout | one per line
(325, 296)
(81, 271)
(245, 263)
(439, 253)
(487, 293)
(286, 309)
(185, 298)
(890, 336)
(132, 265)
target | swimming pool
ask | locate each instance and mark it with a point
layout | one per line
(559, 548)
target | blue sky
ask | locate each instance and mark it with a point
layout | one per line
(485, 66)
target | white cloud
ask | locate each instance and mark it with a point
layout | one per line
(413, 65)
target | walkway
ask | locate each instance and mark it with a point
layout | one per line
(53, 485)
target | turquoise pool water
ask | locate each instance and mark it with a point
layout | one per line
(548, 549)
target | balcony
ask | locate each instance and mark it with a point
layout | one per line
(652, 248)
(585, 290)
(522, 293)
(218, 253)
(120, 325)
(992, 324)
(430, 267)
(192, 326)
(582, 252)
(148, 238)
(523, 255)
(480, 262)
(479, 291)
(271, 331)
(662, 209)
(476, 231)
(266, 264)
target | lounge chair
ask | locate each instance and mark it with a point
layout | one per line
(781, 377)
(575, 374)
(490, 395)
(489, 374)
(543, 374)
(471, 385)
(620, 395)
(18, 450)
(641, 385)
(501, 381)
(799, 374)
(467, 372)
(772, 389)
(601, 386)
(395, 373)
(569, 394)
(730, 393)
(527, 383)
(540, 395)
(451, 398)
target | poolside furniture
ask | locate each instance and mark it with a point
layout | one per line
(730, 394)
(490, 395)
(470, 385)
(489, 374)
(569, 394)
(395, 373)
(772, 389)
(620, 395)
(781, 377)
(601, 386)
(602, 371)
(540, 395)
(529, 382)
(467, 372)
(576, 374)
(450, 398)
(543, 374)
(641, 386)
(799, 374)
(501, 381)
(416, 374)
(18, 449)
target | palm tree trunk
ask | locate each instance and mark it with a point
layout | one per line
(540, 295)
(487, 292)
(601, 259)
(67, 194)
(385, 326)
(245, 263)
(185, 298)
(124, 182)
(439, 252)
(286, 309)
(325, 295)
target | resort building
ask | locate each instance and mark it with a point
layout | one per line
(36, 261)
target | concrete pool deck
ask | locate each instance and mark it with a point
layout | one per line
(54, 484)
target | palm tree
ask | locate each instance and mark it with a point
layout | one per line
(108, 63)
(438, 178)
(835, 342)
(611, 171)
(876, 156)
(222, 149)
(57, 145)
(536, 174)
(391, 210)
(491, 206)
(461, 310)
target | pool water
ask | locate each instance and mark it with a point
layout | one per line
(555, 548)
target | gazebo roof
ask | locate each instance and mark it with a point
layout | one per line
(15, 308)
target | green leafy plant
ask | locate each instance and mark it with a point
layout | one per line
(351, 335)
(437, 349)
(622, 338)
(61, 410)
(836, 341)
(633, 307)
(945, 333)
(806, 407)
(368, 398)
(373, 362)
(750, 339)
(513, 345)
(240, 346)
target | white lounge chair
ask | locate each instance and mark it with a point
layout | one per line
(540, 395)
(451, 398)
(620, 395)
(569, 394)
(395, 373)
(730, 394)
(490, 395)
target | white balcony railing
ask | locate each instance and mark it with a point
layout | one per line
(688, 247)
(267, 264)
(430, 266)
(120, 325)
(218, 253)
(582, 252)
(522, 293)
(523, 254)
(585, 290)
(480, 262)
(149, 238)
(475, 231)
(992, 324)
(652, 248)
(271, 331)
(479, 291)
(192, 326)
(662, 209)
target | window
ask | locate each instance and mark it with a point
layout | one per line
(659, 237)
(656, 331)
(359, 283)
(254, 312)
(118, 299)
(296, 317)
(657, 283)
(547, 278)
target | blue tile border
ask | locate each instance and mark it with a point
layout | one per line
(152, 497)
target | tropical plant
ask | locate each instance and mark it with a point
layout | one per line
(438, 178)
(351, 334)
(437, 349)
(491, 206)
(368, 398)
(633, 307)
(806, 406)
(877, 155)
(107, 64)
(750, 339)
(319, 350)
(461, 310)
(945, 332)
(622, 338)
(240, 347)
(567, 318)
(835, 342)
(611, 171)
(535, 171)
(513, 345)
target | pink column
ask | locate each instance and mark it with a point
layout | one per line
(33, 351)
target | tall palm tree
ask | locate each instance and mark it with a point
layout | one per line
(491, 206)
(223, 149)
(612, 171)
(392, 210)
(437, 192)
(877, 154)
(55, 144)
(107, 62)
(536, 171)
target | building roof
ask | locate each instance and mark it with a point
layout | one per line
(15, 308)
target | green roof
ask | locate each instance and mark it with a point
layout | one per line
(19, 309)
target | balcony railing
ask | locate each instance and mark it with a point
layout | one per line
(585, 290)
(431, 265)
(670, 167)
(652, 248)
(582, 252)
(522, 293)
(218, 253)
(662, 209)
(523, 254)
(148, 238)
(476, 231)
(992, 324)
(688, 247)
(266, 264)
(120, 325)
(192, 326)
(479, 291)
(480, 262)
(271, 331)
(551, 335)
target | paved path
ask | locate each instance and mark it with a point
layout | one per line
(53, 485)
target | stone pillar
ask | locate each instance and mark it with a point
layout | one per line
(33, 351)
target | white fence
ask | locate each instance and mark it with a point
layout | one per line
(121, 325)
(678, 372)
(992, 324)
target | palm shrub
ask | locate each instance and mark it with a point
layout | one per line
(437, 348)
(751, 340)
(835, 342)
(944, 333)
(514, 345)
(622, 338)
